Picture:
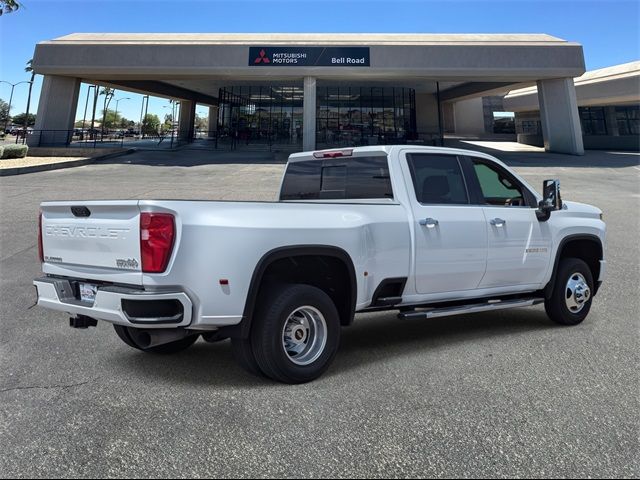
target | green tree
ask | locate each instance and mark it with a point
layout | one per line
(29, 69)
(4, 112)
(21, 119)
(108, 96)
(150, 124)
(202, 123)
(8, 6)
(168, 122)
(111, 120)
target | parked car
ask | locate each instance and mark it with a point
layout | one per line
(20, 133)
(426, 231)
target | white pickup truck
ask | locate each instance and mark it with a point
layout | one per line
(426, 231)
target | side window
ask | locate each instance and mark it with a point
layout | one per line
(496, 188)
(437, 179)
(352, 178)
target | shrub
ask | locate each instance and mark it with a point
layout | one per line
(14, 151)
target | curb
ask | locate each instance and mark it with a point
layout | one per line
(59, 166)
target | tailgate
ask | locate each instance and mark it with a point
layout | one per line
(92, 240)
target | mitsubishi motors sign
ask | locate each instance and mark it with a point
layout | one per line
(309, 56)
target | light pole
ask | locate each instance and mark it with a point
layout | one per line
(13, 85)
(124, 98)
(116, 118)
(172, 106)
(201, 115)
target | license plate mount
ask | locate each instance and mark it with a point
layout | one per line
(88, 292)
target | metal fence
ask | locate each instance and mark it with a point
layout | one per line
(220, 140)
(96, 139)
(223, 140)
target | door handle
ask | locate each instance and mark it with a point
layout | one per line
(429, 222)
(498, 222)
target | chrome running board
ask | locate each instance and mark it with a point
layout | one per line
(490, 305)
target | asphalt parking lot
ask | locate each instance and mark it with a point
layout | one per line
(493, 394)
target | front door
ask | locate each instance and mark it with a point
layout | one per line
(450, 233)
(519, 244)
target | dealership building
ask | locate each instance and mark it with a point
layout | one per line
(317, 90)
(608, 107)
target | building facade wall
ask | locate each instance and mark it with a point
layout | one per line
(195, 67)
(603, 127)
(427, 114)
(469, 117)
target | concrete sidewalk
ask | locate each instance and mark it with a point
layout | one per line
(193, 155)
(513, 153)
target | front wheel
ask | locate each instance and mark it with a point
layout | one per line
(572, 294)
(295, 334)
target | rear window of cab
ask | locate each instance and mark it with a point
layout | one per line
(349, 178)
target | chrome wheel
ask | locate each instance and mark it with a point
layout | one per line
(577, 293)
(304, 335)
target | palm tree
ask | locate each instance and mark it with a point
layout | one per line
(8, 6)
(29, 69)
(108, 95)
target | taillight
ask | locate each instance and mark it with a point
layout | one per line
(157, 233)
(40, 249)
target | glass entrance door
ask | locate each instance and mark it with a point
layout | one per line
(349, 116)
(260, 115)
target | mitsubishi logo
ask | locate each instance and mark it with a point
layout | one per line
(262, 58)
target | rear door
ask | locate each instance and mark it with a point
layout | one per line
(519, 244)
(450, 233)
(90, 240)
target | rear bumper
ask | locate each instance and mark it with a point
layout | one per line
(141, 309)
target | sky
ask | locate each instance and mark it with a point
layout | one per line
(607, 29)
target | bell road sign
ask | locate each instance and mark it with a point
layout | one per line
(309, 56)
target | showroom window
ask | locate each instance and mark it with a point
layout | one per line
(364, 115)
(628, 119)
(592, 120)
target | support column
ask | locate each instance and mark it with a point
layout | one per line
(213, 122)
(559, 116)
(56, 111)
(187, 120)
(309, 114)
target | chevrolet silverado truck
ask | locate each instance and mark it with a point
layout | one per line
(425, 231)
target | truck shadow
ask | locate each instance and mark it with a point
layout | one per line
(382, 337)
(374, 338)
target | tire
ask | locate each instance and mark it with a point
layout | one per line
(166, 349)
(295, 334)
(243, 354)
(570, 301)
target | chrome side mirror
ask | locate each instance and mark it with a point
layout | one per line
(551, 199)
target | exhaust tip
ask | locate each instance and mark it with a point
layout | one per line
(143, 339)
